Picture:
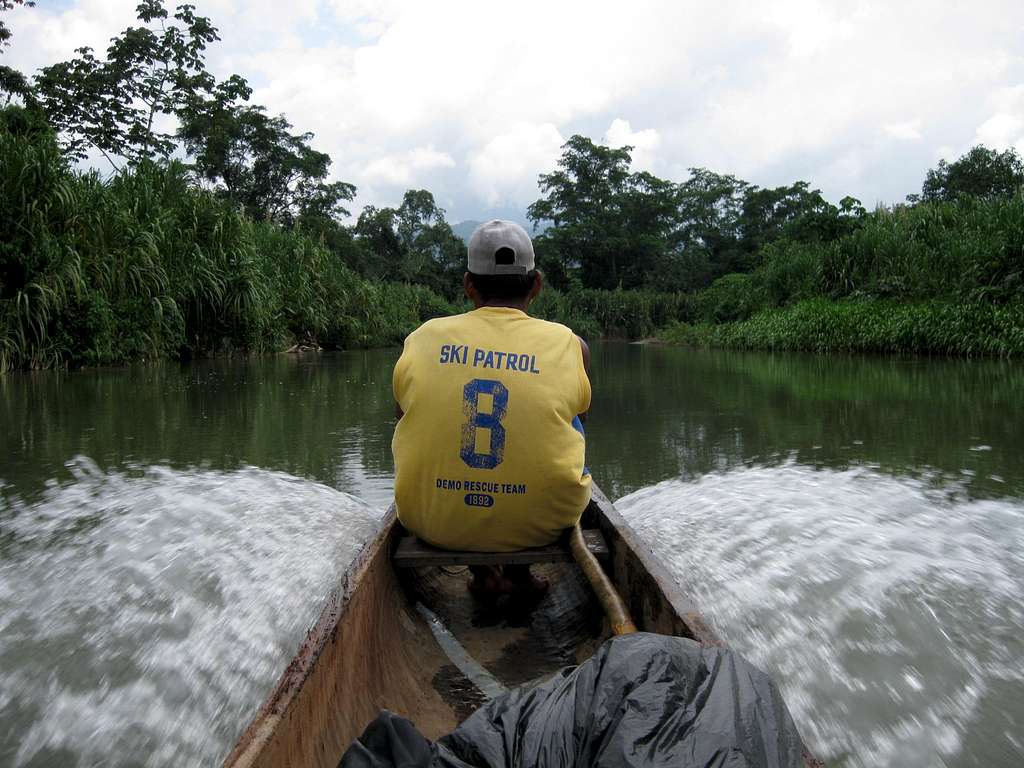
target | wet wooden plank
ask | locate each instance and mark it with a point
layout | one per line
(412, 552)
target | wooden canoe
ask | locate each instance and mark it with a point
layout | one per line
(415, 642)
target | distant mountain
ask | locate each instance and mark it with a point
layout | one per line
(464, 229)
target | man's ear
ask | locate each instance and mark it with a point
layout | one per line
(471, 292)
(538, 283)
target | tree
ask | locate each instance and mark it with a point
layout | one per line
(725, 222)
(649, 211)
(707, 237)
(12, 82)
(981, 172)
(609, 227)
(413, 243)
(824, 222)
(255, 160)
(432, 251)
(25, 121)
(771, 214)
(376, 229)
(118, 106)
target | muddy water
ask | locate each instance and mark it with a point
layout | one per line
(855, 526)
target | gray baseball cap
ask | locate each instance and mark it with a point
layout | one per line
(500, 248)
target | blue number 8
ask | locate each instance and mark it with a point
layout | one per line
(490, 421)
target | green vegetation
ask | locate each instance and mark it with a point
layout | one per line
(613, 314)
(239, 248)
(784, 269)
(615, 229)
(942, 278)
(821, 325)
(148, 265)
(228, 234)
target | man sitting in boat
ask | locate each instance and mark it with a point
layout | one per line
(489, 448)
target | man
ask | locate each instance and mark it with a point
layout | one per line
(489, 451)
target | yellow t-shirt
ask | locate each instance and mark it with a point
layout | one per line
(486, 455)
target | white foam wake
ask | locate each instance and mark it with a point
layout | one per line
(144, 617)
(888, 610)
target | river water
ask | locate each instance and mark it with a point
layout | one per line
(855, 526)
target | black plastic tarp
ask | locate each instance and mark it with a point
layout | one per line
(642, 700)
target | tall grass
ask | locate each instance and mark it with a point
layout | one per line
(147, 265)
(969, 250)
(944, 278)
(882, 325)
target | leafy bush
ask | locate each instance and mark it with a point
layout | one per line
(790, 272)
(613, 314)
(147, 265)
(820, 325)
(731, 297)
(941, 277)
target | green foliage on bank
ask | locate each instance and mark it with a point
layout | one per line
(612, 314)
(968, 250)
(147, 265)
(883, 325)
(945, 277)
(971, 250)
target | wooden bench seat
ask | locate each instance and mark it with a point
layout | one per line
(412, 552)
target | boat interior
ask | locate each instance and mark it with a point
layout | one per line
(414, 640)
(492, 645)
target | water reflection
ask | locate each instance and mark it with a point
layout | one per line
(665, 412)
(657, 413)
(327, 418)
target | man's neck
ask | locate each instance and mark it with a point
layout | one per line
(522, 306)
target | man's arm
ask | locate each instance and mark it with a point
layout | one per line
(586, 367)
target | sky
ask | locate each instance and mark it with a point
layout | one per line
(473, 99)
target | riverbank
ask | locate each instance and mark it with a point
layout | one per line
(872, 326)
(149, 265)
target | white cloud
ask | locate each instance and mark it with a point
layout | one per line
(811, 26)
(42, 36)
(855, 96)
(1005, 127)
(505, 169)
(621, 134)
(407, 168)
(908, 131)
(371, 29)
(1002, 130)
(347, 11)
